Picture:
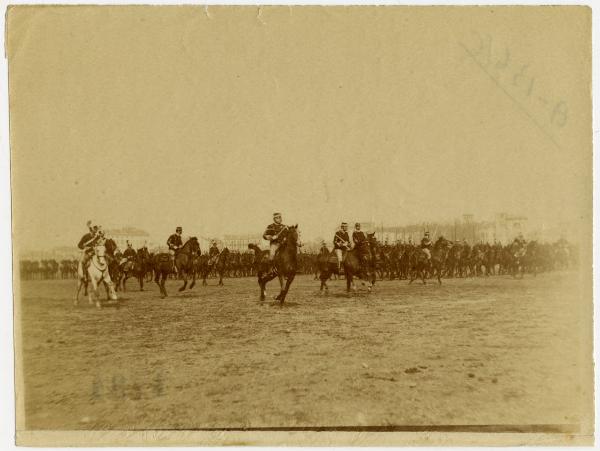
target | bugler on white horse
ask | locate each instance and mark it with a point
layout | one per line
(97, 272)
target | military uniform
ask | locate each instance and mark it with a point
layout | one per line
(128, 255)
(361, 244)
(426, 245)
(273, 234)
(341, 243)
(86, 244)
(175, 242)
(213, 253)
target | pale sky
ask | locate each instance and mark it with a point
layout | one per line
(162, 116)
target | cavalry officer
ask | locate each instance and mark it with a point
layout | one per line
(361, 243)
(175, 243)
(213, 252)
(341, 243)
(273, 234)
(86, 244)
(426, 245)
(129, 253)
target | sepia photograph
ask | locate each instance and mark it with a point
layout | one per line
(301, 225)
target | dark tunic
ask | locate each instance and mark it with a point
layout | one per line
(426, 243)
(213, 251)
(273, 229)
(88, 238)
(129, 253)
(341, 240)
(174, 241)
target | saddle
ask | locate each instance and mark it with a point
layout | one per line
(162, 258)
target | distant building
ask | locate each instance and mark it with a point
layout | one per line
(240, 242)
(137, 237)
(503, 228)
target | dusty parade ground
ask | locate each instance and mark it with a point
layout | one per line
(484, 351)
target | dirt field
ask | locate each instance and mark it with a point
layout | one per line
(493, 351)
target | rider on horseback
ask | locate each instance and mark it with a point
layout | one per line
(341, 243)
(361, 244)
(213, 253)
(175, 243)
(273, 235)
(426, 245)
(129, 254)
(86, 244)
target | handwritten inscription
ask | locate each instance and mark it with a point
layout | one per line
(517, 80)
(118, 387)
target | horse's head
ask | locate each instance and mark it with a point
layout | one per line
(291, 237)
(110, 246)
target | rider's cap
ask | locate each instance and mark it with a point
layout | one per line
(89, 223)
(178, 229)
(344, 223)
(276, 215)
(357, 224)
(426, 233)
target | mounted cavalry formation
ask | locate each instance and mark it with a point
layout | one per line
(357, 257)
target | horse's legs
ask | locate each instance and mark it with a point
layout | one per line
(280, 281)
(80, 283)
(262, 287)
(220, 272)
(193, 279)
(348, 281)
(141, 280)
(185, 280)
(284, 292)
(163, 280)
(95, 293)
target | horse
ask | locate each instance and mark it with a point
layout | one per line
(219, 265)
(261, 263)
(97, 272)
(352, 265)
(284, 265)
(517, 257)
(135, 268)
(185, 264)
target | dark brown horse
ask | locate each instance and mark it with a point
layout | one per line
(357, 263)
(219, 265)
(283, 266)
(137, 268)
(185, 260)
(421, 265)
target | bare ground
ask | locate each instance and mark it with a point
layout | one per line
(487, 351)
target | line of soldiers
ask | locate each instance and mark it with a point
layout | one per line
(273, 233)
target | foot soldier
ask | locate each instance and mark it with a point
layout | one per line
(213, 253)
(86, 244)
(361, 244)
(273, 234)
(426, 245)
(341, 243)
(175, 243)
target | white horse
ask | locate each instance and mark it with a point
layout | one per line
(97, 272)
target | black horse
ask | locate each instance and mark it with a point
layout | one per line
(185, 262)
(358, 262)
(284, 265)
